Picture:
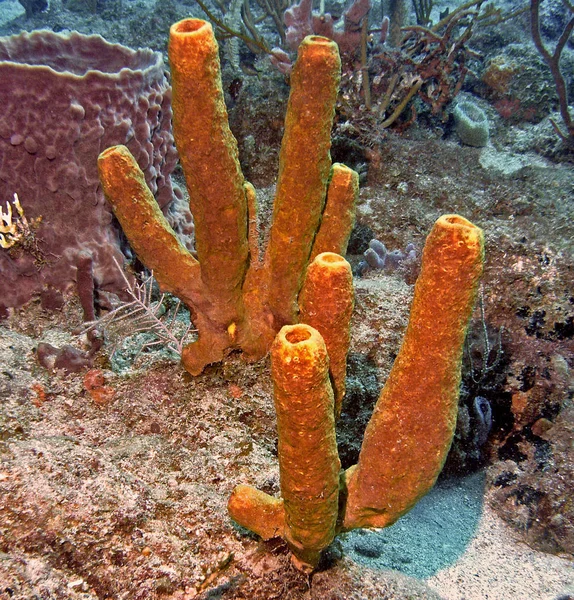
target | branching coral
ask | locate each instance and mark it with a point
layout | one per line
(238, 22)
(430, 63)
(143, 314)
(291, 21)
(18, 234)
(552, 59)
(16, 229)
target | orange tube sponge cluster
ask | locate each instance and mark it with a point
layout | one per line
(326, 303)
(237, 299)
(411, 430)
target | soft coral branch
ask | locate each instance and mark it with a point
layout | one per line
(553, 62)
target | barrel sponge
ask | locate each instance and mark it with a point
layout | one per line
(64, 99)
(471, 124)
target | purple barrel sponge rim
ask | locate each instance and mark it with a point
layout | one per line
(76, 54)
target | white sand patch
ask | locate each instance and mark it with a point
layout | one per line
(497, 566)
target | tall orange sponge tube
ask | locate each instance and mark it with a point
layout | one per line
(326, 303)
(308, 459)
(409, 435)
(338, 217)
(304, 170)
(209, 158)
(150, 235)
(306, 515)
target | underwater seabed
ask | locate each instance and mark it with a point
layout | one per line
(114, 481)
(120, 490)
(126, 498)
(453, 542)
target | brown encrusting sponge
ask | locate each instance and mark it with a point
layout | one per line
(237, 300)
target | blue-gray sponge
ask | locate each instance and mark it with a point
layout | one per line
(471, 124)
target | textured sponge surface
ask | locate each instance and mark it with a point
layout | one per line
(471, 124)
(64, 99)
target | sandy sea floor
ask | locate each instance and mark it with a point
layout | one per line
(123, 495)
